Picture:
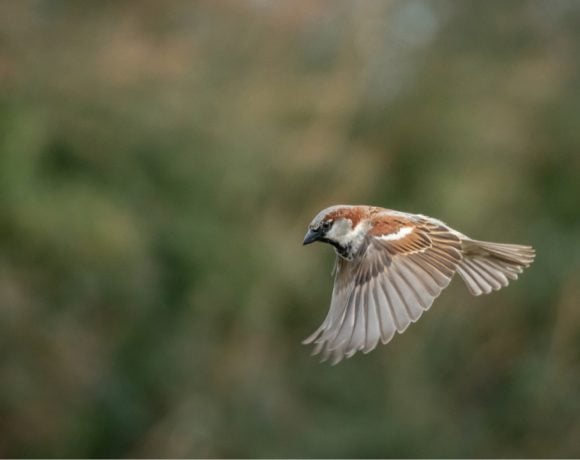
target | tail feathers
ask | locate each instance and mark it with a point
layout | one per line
(487, 267)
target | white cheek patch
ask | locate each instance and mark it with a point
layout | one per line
(340, 231)
(399, 234)
(345, 235)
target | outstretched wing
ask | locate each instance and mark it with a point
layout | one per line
(406, 265)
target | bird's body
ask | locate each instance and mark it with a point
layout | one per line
(390, 267)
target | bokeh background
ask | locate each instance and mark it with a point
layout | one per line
(159, 164)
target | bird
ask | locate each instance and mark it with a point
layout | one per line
(390, 266)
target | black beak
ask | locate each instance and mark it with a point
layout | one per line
(311, 236)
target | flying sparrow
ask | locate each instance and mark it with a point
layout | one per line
(391, 265)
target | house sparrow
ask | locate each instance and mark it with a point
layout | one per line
(391, 265)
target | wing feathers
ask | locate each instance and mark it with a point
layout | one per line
(397, 306)
(407, 294)
(386, 314)
(373, 322)
(418, 284)
(440, 269)
(495, 277)
(480, 285)
(358, 336)
(428, 276)
(487, 267)
(386, 290)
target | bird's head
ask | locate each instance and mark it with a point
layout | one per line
(342, 226)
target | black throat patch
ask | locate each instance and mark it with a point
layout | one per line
(345, 251)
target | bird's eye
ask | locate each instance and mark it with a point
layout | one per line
(326, 225)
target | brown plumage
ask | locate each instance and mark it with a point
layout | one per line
(390, 268)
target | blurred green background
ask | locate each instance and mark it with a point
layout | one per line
(159, 164)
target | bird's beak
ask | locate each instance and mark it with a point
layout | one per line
(311, 236)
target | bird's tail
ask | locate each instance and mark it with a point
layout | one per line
(487, 267)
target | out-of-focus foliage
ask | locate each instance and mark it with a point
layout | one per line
(159, 163)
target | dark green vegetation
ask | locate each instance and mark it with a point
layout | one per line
(159, 163)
